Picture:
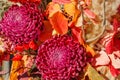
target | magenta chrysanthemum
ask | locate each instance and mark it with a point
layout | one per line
(60, 58)
(21, 24)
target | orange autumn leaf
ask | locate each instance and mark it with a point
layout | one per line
(72, 10)
(47, 32)
(15, 70)
(90, 50)
(59, 23)
(76, 32)
(52, 8)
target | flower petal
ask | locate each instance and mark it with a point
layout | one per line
(102, 59)
(115, 61)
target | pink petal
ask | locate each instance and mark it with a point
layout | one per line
(103, 59)
(89, 14)
(117, 53)
(115, 61)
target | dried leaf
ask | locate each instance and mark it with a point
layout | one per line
(61, 1)
(14, 70)
(90, 50)
(89, 14)
(17, 57)
(115, 61)
(93, 74)
(47, 32)
(71, 8)
(52, 8)
(108, 47)
(114, 71)
(102, 59)
(59, 23)
(115, 24)
(76, 33)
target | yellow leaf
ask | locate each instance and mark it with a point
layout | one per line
(52, 8)
(72, 10)
(93, 74)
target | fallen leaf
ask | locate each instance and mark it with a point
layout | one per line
(89, 14)
(76, 33)
(70, 8)
(52, 8)
(61, 1)
(88, 2)
(90, 50)
(115, 24)
(109, 47)
(47, 32)
(59, 23)
(17, 57)
(114, 71)
(115, 61)
(15, 69)
(19, 48)
(102, 59)
(93, 74)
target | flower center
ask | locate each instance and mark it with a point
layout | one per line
(59, 57)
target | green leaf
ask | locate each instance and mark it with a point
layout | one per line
(93, 74)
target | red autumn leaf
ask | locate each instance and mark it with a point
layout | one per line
(17, 57)
(76, 33)
(26, 46)
(33, 45)
(47, 32)
(114, 71)
(116, 41)
(115, 24)
(59, 23)
(89, 14)
(61, 1)
(109, 47)
(19, 48)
